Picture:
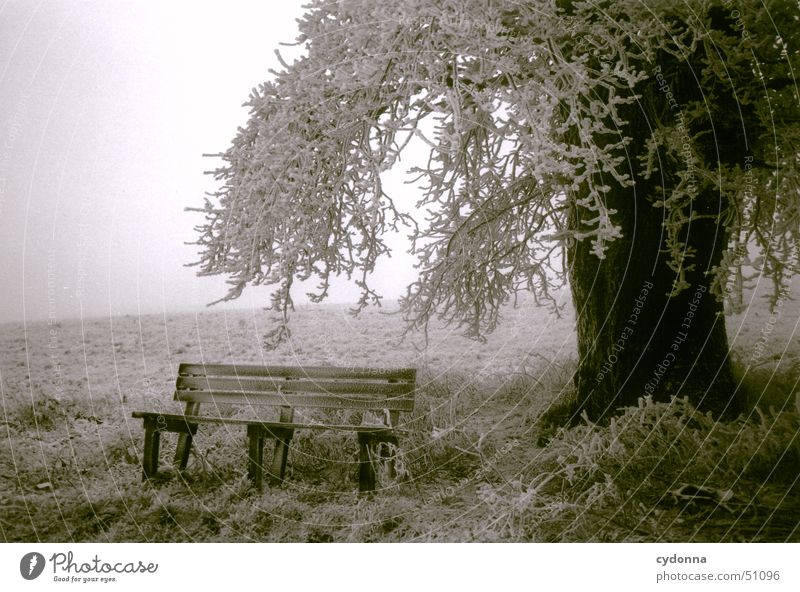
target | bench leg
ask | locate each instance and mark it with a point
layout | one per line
(183, 451)
(152, 442)
(278, 468)
(255, 437)
(282, 439)
(392, 419)
(366, 471)
(387, 456)
(185, 439)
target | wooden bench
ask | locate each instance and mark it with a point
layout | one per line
(385, 391)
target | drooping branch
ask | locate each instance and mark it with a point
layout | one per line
(526, 104)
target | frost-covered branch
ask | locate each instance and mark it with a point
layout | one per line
(525, 102)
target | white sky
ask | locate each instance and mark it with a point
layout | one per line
(106, 107)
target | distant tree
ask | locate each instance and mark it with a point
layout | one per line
(635, 149)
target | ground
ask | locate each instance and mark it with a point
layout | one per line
(476, 467)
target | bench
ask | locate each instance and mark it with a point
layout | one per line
(385, 391)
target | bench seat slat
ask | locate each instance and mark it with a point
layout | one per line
(242, 384)
(401, 374)
(310, 400)
(195, 419)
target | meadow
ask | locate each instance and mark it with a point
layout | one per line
(478, 464)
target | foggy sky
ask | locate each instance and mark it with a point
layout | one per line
(106, 107)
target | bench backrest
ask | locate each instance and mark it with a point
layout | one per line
(287, 386)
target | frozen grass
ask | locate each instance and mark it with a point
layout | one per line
(474, 467)
(660, 472)
(67, 478)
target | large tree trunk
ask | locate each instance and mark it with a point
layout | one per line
(633, 338)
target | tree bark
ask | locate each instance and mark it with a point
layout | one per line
(634, 339)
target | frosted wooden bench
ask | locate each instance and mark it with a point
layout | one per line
(388, 391)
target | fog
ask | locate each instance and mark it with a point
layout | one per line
(107, 108)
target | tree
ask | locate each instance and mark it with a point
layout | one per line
(641, 151)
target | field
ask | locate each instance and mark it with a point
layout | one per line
(477, 465)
